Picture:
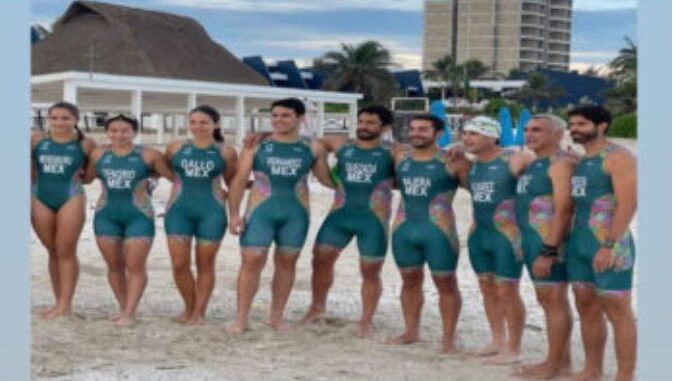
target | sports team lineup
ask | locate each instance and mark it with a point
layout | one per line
(563, 214)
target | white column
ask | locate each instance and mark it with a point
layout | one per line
(320, 118)
(159, 119)
(353, 119)
(69, 92)
(191, 104)
(137, 112)
(240, 111)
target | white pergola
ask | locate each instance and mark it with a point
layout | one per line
(148, 95)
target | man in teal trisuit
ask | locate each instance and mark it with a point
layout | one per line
(361, 209)
(544, 210)
(600, 251)
(494, 242)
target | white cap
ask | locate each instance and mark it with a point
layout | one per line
(485, 126)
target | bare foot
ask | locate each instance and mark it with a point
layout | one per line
(183, 317)
(278, 325)
(492, 349)
(447, 347)
(364, 330)
(46, 311)
(404, 339)
(312, 315)
(55, 313)
(125, 321)
(115, 317)
(542, 371)
(587, 375)
(505, 358)
(236, 328)
(195, 320)
(624, 377)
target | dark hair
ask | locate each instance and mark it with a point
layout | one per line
(215, 117)
(385, 115)
(72, 109)
(291, 103)
(124, 118)
(595, 114)
(438, 124)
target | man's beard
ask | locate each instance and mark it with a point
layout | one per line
(584, 137)
(366, 135)
(422, 143)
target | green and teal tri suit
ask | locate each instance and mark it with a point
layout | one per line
(59, 171)
(535, 213)
(278, 203)
(197, 204)
(595, 202)
(124, 209)
(362, 203)
(424, 228)
(494, 243)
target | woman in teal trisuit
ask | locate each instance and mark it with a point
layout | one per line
(278, 208)
(196, 208)
(124, 219)
(58, 160)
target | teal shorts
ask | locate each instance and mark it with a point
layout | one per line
(491, 252)
(343, 224)
(206, 220)
(531, 247)
(284, 222)
(416, 242)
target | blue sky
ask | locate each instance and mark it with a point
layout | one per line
(303, 30)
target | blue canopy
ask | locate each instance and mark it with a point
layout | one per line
(438, 110)
(524, 118)
(504, 117)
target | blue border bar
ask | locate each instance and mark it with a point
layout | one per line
(654, 251)
(15, 199)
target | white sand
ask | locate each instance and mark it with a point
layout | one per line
(88, 346)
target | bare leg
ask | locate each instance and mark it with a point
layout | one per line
(281, 285)
(370, 293)
(136, 252)
(618, 309)
(553, 298)
(179, 248)
(593, 331)
(323, 264)
(449, 301)
(206, 253)
(44, 224)
(248, 282)
(412, 299)
(112, 250)
(69, 223)
(513, 308)
(495, 316)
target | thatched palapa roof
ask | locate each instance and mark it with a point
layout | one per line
(130, 41)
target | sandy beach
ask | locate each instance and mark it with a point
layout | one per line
(89, 347)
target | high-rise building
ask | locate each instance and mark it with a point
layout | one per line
(503, 34)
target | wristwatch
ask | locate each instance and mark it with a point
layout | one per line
(608, 243)
(548, 251)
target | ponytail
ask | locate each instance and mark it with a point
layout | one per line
(74, 111)
(215, 117)
(217, 135)
(80, 134)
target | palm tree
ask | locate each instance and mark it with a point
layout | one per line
(447, 72)
(622, 98)
(363, 68)
(475, 69)
(539, 88)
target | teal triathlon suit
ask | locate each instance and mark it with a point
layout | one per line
(124, 209)
(595, 203)
(424, 228)
(535, 213)
(278, 203)
(494, 243)
(58, 167)
(197, 204)
(362, 204)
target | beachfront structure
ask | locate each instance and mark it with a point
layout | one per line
(504, 35)
(112, 58)
(286, 73)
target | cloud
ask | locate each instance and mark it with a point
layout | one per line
(592, 57)
(603, 5)
(288, 6)
(603, 69)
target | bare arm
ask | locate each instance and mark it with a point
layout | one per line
(237, 184)
(158, 163)
(321, 169)
(560, 174)
(332, 143)
(622, 168)
(35, 138)
(519, 161)
(89, 171)
(229, 154)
